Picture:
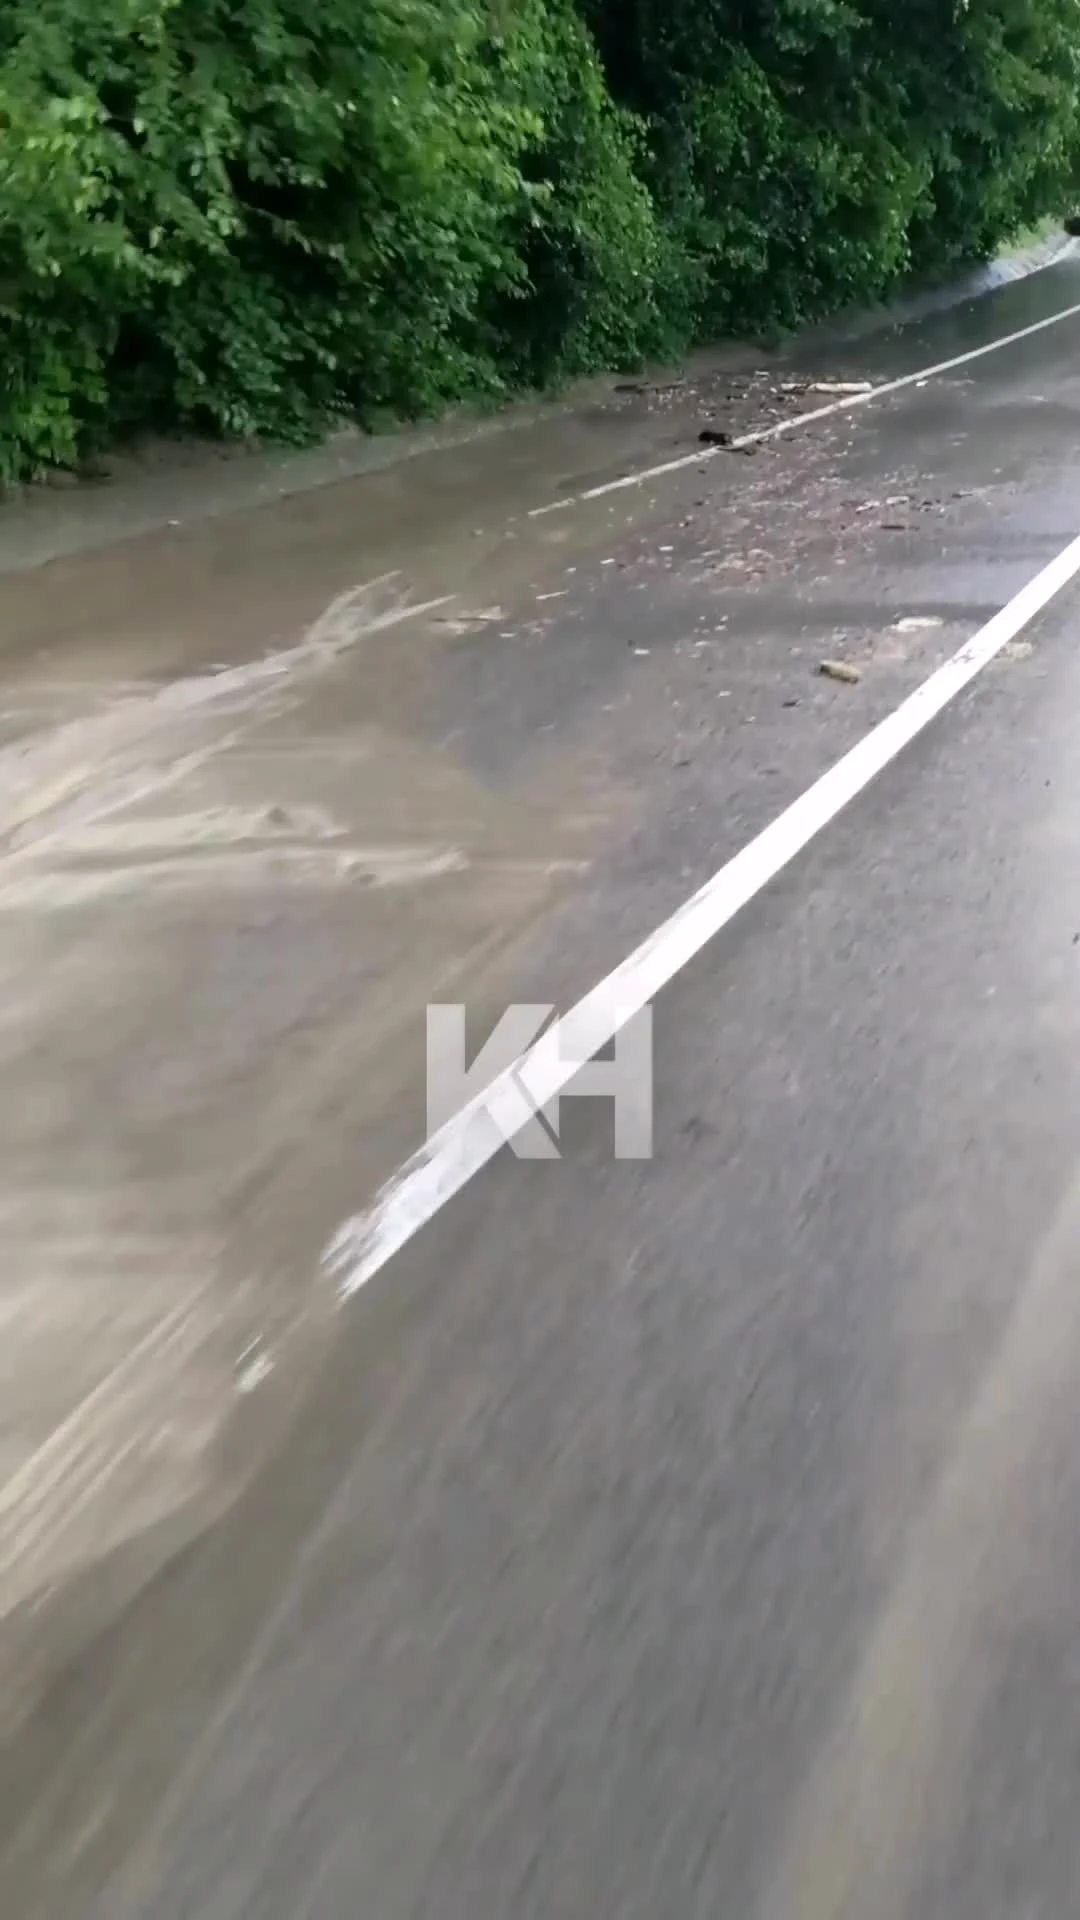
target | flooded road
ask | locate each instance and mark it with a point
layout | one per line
(684, 1536)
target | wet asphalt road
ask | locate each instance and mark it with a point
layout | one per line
(700, 1537)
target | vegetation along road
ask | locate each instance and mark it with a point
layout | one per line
(392, 1523)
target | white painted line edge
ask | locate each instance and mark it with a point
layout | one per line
(471, 1138)
(759, 435)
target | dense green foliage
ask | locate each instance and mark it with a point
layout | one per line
(256, 216)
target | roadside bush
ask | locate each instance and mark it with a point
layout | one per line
(248, 219)
(815, 152)
(595, 286)
(251, 217)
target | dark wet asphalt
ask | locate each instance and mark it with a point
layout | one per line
(699, 1538)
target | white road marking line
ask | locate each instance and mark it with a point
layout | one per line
(759, 435)
(466, 1143)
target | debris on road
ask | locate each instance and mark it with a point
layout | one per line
(650, 386)
(843, 386)
(840, 670)
(462, 624)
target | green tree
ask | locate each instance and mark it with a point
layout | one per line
(256, 216)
